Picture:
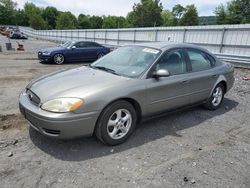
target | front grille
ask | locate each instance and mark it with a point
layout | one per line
(33, 97)
(50, 131)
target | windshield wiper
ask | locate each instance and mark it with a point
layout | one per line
(105, 69)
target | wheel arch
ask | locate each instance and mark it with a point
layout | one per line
(130, 100)
(221, 79)
(59, 52)
(224, 83)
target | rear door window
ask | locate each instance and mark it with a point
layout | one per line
(80, 45)
(199, 60)
(92, 44)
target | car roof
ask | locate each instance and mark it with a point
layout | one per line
(85, 41)
(167, 45)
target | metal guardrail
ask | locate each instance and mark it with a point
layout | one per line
(236, 60)
(230, 43)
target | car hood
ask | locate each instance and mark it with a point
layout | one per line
(52, 49)
(78, 82)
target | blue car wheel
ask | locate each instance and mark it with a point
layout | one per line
(58, 59)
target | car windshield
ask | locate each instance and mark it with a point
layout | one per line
(67, 44)
(130, 61)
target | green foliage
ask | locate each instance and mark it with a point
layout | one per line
(21, 18)
(207, 20)
(190, 16)
(7, 11)
(66, 20)
(114, 22)
(31, 9)
(147, 13)
(239, 12)
(83, 22)
(37, 22)
(96, 22)
(49, 14)
(34, 14)
(167, 18)
(185, 16)
(221, 15)
(236, 12)
(178, 11)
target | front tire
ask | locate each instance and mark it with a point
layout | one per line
(116, 123)
(215, 100)
(58, 59)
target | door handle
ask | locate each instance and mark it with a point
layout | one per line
(184, 82)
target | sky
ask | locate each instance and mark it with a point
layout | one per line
(118, 7)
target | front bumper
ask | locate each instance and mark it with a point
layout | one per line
(44, 58)
(58, 125)
(230, 83)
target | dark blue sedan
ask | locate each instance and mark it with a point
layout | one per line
(73, 52)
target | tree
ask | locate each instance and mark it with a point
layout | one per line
(147, 13)
(121, 22)
(96, 22)
(21, 18)
(130, 19)
(207, 20)
(167, 18)
(49, 14)
(66, 20)
(114, 22)
(34, 14)
(190, 16)
(235, 12)
(31, 9)
(37, 22)
(221, 15)
(83, 22)
(177, 12)
(239, 12)
(7, 11)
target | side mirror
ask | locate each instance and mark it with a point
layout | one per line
(161, 73)
(73, 47)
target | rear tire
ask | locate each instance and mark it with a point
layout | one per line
(215, 100)
(116, 123)
(58, 59)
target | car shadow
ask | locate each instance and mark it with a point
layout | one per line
(67, 63)
(167, 125)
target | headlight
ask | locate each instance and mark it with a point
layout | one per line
(46, 53)
(62, 105)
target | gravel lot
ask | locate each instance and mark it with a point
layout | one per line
(191, 148)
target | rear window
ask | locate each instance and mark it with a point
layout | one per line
(93, 44)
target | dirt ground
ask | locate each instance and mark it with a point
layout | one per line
(191, 148)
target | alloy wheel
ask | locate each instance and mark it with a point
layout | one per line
(58, 58)
(119, 124)
(217, 96)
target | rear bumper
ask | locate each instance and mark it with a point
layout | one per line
(230, 83)
(57, 125)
